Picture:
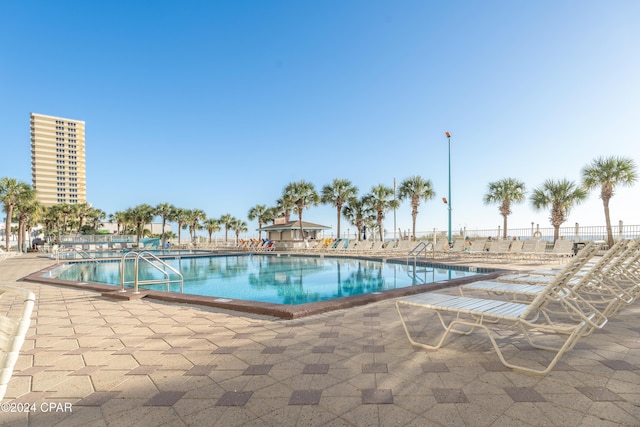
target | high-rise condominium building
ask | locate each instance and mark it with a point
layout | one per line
(58, 160)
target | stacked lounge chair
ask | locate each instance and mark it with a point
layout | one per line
(532, 319)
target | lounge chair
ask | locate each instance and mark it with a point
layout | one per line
(562, 249)
(404, 246)
(363, 246)
(441, 248)
(596, 285)
(376, 247)
(499, 249)
(501, 319)
(515, 249)
(477, 248)
(459, 247)
(533, 249)
(350, 248)
(338, 246)
(13, 331)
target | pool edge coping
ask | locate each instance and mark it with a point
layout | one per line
(282, 311)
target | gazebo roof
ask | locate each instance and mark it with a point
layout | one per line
(294, 224)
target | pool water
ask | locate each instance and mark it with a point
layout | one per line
(275, 279)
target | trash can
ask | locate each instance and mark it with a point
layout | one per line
(577, 246)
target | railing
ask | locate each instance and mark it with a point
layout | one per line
(414, 270)
(418, 249)
(83, 254)
(149, 258)
(97, 238)
(577, 232)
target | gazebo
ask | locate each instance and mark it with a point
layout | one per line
(286, 233)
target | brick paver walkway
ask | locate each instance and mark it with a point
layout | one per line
(89, 360)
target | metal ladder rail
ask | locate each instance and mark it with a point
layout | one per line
(420, 248)
(136, 282)
(415, 252)
(145, 255)
(83, 254)
(413, 271)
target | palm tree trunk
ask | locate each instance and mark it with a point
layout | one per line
(414, 217)
(607, 218)
(300, 221)
(7, 230)
(504, 226)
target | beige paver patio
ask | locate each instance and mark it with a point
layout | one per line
(89, 360)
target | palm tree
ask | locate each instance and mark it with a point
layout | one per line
(505, 192)
(81, 210)
(27, 207)
(238, 226)
(140, 215)
(212, 225)
(12, 192)
(607, 173)
(164, 211)
(339, 192)
(561, 195)
(49, 220)
(415, 188)
(66, 210)
(226, 220)
(285, 204)
(32, 215)
(303, 194)
(120, 218)
(56, 216)
(380, 200)
(262, 214)
(195, 216)
(180, 216)
(357, 212)
(97, 216)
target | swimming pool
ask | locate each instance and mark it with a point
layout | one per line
(288, 280)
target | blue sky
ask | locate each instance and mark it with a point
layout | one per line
(219, 105)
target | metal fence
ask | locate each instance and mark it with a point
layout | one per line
(576, 233)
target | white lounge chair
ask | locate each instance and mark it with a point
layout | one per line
(533, 249)
(376, 247)
(13, 329)
(363, 247)
(597, 285)
(459, 247)
(441, 248)
(498, 249)
(477, 248)
(495, 317)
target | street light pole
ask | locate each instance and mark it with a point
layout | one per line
(449, 199)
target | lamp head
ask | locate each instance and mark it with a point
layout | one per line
(448, 134)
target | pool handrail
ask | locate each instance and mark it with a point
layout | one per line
(418, 249)
(145, 255)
